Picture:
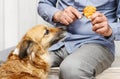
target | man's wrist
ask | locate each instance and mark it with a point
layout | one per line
(109, 33)
(56, 16)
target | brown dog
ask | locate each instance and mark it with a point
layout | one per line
(30, 59)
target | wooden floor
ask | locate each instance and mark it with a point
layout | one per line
(111, 73)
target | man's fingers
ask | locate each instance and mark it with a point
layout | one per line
(96, 14)
(67, 16)
(64, 21)
(68, 19)
(98, 20)
(76, 12)
(69, 13)
(102, 31)
(97, 26)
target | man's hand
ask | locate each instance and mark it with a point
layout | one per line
(67, 16)
(100, 24)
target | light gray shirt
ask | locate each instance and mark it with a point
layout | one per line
(80, 31)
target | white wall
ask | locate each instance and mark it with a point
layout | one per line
(1, 25)
(16, 17)
(10, 22)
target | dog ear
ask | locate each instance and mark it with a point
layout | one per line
(23, 49)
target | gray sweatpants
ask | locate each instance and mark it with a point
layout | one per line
(85, 63)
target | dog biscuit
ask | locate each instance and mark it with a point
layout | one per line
(89, 10)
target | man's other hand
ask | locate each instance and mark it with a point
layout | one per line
(100, 24)
(67, 16)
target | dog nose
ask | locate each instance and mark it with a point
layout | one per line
(63, 28)
(63, 34)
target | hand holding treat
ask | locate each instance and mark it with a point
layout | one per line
(98, 20)
(89, 10)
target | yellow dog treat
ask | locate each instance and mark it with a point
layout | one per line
(89, 10)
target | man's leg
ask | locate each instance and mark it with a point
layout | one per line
(58, 56)
(86, 62)
(4, 54)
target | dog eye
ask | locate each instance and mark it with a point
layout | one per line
(46, 32)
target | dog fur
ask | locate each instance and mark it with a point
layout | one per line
(30, 58)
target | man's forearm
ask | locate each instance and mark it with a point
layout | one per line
(46, 9)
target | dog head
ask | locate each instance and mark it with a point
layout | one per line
(36, 42)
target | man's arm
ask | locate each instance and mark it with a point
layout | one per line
(46, 9)
(116, 26)
(105, 28)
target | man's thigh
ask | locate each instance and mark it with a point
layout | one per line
(89, 57)
(4, 53)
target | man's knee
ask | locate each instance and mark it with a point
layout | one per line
(73, 70)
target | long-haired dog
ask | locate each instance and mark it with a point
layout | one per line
(30, 58)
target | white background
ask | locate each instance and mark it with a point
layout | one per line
(16, 17)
